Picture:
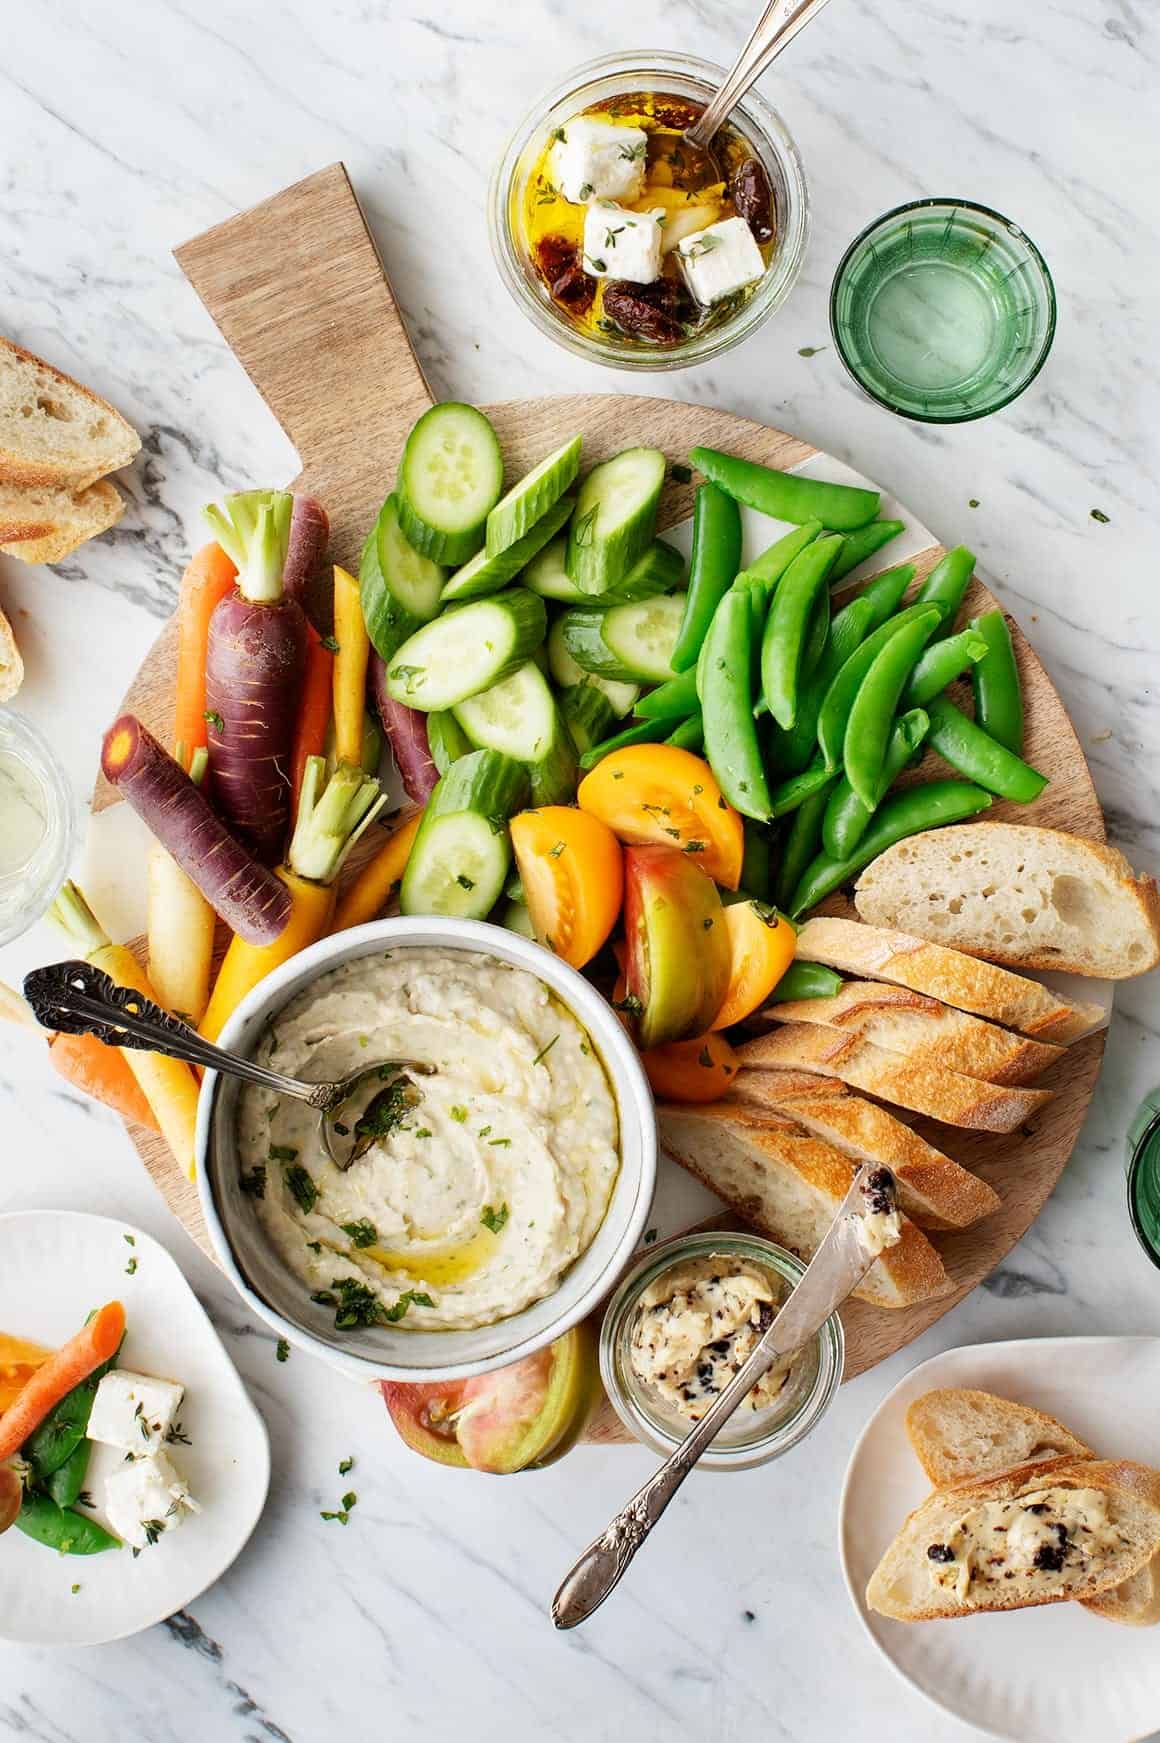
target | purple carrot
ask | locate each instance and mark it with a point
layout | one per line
(406, 731)
(306, 576)
(250, 899)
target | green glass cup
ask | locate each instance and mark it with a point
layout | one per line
(1143, 1164)
(943, 311)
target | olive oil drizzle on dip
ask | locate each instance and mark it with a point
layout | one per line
(488, 1179)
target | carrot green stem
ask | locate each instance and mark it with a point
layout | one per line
(198, 763)
(253, 528)
(331, 818)
(76, 922)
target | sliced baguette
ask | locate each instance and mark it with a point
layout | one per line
(924, 1089)
(11, 664)
(924, 1029)
(933, 1191)
(1135, 1602)
(46, 524)
(53, 431)
(961, 1435)
(788, 1186)
(957, 979)
(1028, 897)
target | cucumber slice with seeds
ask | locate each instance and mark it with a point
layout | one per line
(629, 642)
(615, 518)
(467, 650)
(528, 501)
(556, 775)
(547, 575)
(450, 479)
(446, 739)
(661, 569)
(588, 715)
(462, 852)
(482, 574)
(398, 589)
(566, 672)
(517, 717)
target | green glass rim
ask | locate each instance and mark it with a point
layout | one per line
(1139, 1151)
(908, 206)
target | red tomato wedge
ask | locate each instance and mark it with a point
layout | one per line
(658, 794)
(572, 870)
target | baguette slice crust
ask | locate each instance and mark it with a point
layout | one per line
(902, 1587)
(934, 1191)
(54, 431)
(925, 1030)
(924, 1089)
(45, 524)
(788, 1186)
(961, 1435)
(11, 664)
(1135, 1602)
(1016, 894)
(979, 987)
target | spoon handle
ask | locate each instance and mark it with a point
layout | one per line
(79, 999)
(774, 30)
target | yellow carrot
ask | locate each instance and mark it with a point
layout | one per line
(371, 890)
(350, 669)
(168, 1086)
(181, 926)
(244, 965)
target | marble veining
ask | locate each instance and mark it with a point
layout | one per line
(124, 134)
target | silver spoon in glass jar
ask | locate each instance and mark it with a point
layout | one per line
(774, 30)
(78, 999)
(865, 1223)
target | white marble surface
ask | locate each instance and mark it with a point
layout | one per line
(124, 131)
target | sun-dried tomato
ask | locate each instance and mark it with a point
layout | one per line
(646, 311)
(558, 263)
(753, 199)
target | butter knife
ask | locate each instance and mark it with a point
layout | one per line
(866, 1222)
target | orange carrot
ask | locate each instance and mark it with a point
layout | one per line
(370, 891)
(313, 711)
(101, 1071)
(95, 1343)
(207, 579)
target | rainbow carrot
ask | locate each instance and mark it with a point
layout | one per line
(313, 711)
(95, 1343)
(207, 579)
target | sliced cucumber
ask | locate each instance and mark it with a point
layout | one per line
(616, 512)
(515, 918)
(446, 739)
(450, 479)
(566, 672)
(514, 888)
(659, 570)
(461, 854)
(467, 650)
(483, 574)
(588, 715)
(528, 501)
(398, 589)
(628, 642)
(517, 716)
(556, 774)
(547, 575)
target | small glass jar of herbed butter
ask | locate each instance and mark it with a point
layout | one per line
(659, 1392)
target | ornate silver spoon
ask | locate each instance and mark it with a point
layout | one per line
(841, 1261)
(79, 999)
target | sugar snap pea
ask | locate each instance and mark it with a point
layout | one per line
(792, 751)
(771, 565)
(805, 980)
(801, 843)
(978, 756)
(788, 795)
(757, 861)
(905, 813)
(52, 1443)
(672, 700)
(644, 732)
(940, 665)
(66, 1483)
(945, 586)
(689, 735)
(847, 818)
(998, 696)
(862, 543)
(885, 592)
(713, 566)
(62, 1528)
(787, 627)
(847, 681)
(731, 743)
(817, 635)
(786, 495)
(869, 723)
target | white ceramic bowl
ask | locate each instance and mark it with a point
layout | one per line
(389, 1352)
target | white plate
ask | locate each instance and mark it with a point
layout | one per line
(1052, 1675)
(55, 1266)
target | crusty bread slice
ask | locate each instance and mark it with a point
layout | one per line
(902, 1585)
(924, 1089)
(789, 1186)
(53, 431)
(1135, 1602)
(1016, 894)
(924, 1029)
(11, 665)
(933, 1191)
(45, 524)
(961, 1435)
(957, 979)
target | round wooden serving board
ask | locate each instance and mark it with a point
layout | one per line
(298, 290)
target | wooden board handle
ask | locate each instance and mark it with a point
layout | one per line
(297, 287)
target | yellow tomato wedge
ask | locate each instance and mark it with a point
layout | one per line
(761, 945)
(697, 1070)
(572, 871)
(19, 1360)
(657, 794)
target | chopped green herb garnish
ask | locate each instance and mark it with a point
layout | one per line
(693, 847)
(555, 852)
(811, 350)
(705, 1058)
(586, 190)
(363, 1233)
(973, 502)
(301, 1186)
(464, 882)
(153, 1529)
(422, 1131)
(329, 643)
(585, 1049)
(345, 1465)
(494, 1219)
(459, 1114)
(341, 1515)
(214, 719)
(1098, 514)
(283, 1153)
(630, 1005)
(349, 1500)
(499, 1143)
(386, 1109)
(315, 1246)
(74, 1590)
(545, 1050)
(176, 1435)
(559, 135)
(484, 1130)
(650, 1236)
(282, 1350)
(129, 1240)
(409, 1298)
(253, 1181)
(364, 1040)
(131, 1267)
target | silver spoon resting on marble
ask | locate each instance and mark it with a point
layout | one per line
(839, 1265)
(775, 29)
(78, 999)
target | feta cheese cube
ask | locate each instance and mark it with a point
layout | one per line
(147, 1496)
(720, 260)
(134, 1411)
(599, 160)
(620, 244)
